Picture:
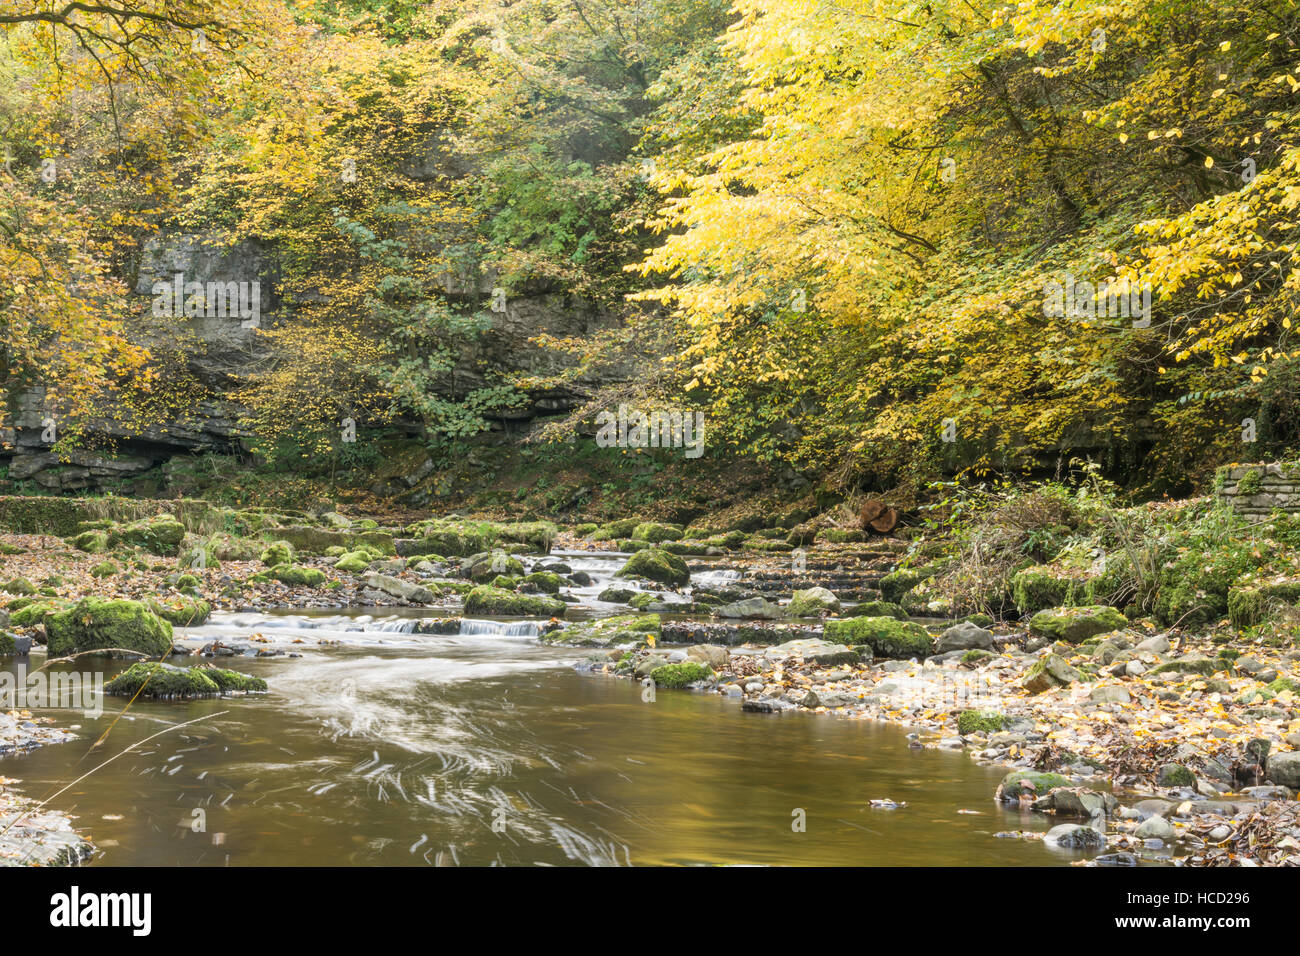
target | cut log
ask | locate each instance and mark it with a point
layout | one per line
(885, 522)
(871, 510)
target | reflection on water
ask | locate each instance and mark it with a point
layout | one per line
(488, 748)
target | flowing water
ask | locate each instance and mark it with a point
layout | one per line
(380, 745)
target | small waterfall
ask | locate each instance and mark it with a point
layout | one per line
(399, 625)
(470, 627)
(716, 579)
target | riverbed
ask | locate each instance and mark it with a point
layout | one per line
(382, 747)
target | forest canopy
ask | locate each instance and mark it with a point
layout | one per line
(873, 240)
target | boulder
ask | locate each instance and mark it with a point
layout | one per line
(1075, 624)
(655, 564)
(100, 624)
(964, 636)
(1048, 672)
(396, 587)
(486, 599)
(1284, 769)
(886, 636)
(812, 601)
(755, 608)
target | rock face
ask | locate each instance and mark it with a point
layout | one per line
(221, 350)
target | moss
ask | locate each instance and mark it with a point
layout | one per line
(97, 623)
(886, 636)
(975, 655)
(105, 569)
(1075, 624)
(35, 612)
(187, 582)
(496, 564)
(978, 722)
(1014, 784)
(353, 562)
(656, 565)
(616, 529)
(880, 609)
(7, 644)
(92, 542)
(606, 630)
(1250, 483)
(654, 533)
(585, 530)
(641, 600)
(894, 585)
(181, 611)
(277, 552)
(154, 679)
(1039, 587)
(18, 586)
(296, 574)
(680, 675)
(1284, 684)
(485, 599)
(1192, 664)
(545, 581)
(161, 535)
(1253, 604)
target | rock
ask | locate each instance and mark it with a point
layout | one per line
(96, 623)
(681, 674)
(1154, 645)
(1033, 783)
(605, 631)
(396, 587)
(762, 706)
(1154, 806)
(886, 636)
(755, 608)
(1284, 769)
(1175, 775)
(491, 565)
(1072, 836)
(161, 534)
(616, 595)
(713, 655)
(1134, 669)
(352, 562)
(1188, 664)
(181, 611)
(1122, 858)
(1048, 672)
(656, 565)
(811, 602)
(486, 599)
(1156, 828)
(277, 552)
(153, 679)
(1075, 624)
(964, 636)
(1110, 694)
(1077, 802)
(978, 722)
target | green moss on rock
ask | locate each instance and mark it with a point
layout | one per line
(1075, 624)
(677, 676)
(97, 623)
(886, 636)
(154, 679)
(488, 600)
(656, 565)
(181, 611)
(979, 722)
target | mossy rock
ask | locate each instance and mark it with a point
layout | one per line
(613, 530)
(547, 582)
(485, 599)
(1191, 664)
(7, 644)
(277, 552)
(161, 535)
(641, 600)
(975, 655)
(811, 602)
(886, 636)
(894, 585)
(677, 676)
(187, 582)
(605, 631)
(632, 545)
(1285, 684)
(105, 569)
(353, 562)
(1048, 672)
(181, 611)
(1021, 782)
(1252, 605)
(35, 612)
(654, 564)
(585, 530)
(1040, 587)
(155, 679)
(1076, 624)
(616, 595)
(654, 532)
(485, 567)
(92, 542)
(18, 586)
(506, 582)
(880, 609)
(296, 574)
(979, 722)
(97, 624)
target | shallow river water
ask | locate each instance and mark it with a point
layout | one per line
(490, 748)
